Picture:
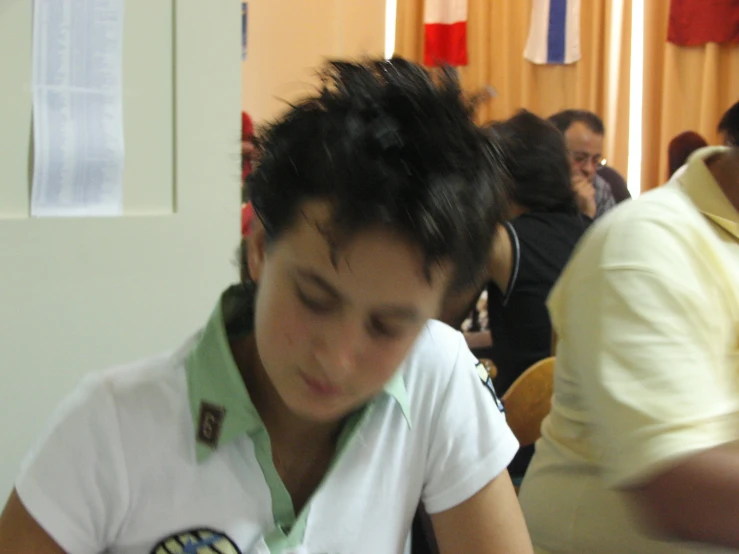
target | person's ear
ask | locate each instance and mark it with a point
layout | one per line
(256, 244)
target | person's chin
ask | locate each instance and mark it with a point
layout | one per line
(316, 413)
(319, 408)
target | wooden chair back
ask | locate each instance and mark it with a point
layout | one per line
(528, 401)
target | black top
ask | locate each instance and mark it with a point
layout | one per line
(519, 322)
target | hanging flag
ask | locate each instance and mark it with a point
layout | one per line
(696, 22)
(554, 32)
(445, 32)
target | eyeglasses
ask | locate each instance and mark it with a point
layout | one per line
(582, 157)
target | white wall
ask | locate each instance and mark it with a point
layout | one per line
(81, 294)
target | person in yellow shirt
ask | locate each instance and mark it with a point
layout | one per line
(639, 453)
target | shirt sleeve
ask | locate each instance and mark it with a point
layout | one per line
(640, 336)
(604, 199)
(471, 443)
(73, 482)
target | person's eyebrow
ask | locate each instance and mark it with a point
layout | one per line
(408, 313)
(315, 279)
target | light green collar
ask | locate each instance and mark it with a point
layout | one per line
(220, 404)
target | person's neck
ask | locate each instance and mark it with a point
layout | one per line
(283, 426)
(725, 169)
(516, 209)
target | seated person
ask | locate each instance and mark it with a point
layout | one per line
(320, 403)
(728, 127)
(529, 251)
(680, 148)
(639, 453)
(616, 181)
(583, 132)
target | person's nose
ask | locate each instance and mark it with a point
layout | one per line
(338, 347)
(589, 167)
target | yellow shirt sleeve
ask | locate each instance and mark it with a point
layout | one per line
(639, 338)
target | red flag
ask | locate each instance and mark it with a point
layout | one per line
(696, 22)
(445, 32)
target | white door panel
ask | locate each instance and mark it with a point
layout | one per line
(77, 295)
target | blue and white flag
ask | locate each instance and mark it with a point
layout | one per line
(554, 33)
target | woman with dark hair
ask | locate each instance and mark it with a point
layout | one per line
(680, 149)
(529, 251)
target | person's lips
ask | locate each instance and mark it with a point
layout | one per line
(320, 387)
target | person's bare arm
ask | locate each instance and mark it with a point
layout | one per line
(21, 534)
(479, 339)
(696, 499)
(500, 261)
(489, 522)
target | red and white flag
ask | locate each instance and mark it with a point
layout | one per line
(445, 32)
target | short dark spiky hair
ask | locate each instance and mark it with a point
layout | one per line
(729, 125)
(562, 120)
(386, 144)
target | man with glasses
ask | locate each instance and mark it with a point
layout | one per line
(583, 132)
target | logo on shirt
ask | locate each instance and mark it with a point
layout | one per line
(197, 541)
(487, 382)
(210, 422)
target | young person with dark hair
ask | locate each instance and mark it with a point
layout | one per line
(529, 251)
(321, 402)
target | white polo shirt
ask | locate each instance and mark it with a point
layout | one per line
(647, 370)
(170, 455)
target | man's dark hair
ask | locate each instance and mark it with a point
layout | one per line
(564, 119)
(729, 125)
(386, 144)
(536, 158)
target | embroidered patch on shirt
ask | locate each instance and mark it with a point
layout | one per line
(210, 423)
(487, 382)
(197, 541)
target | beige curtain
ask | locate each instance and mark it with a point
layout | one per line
(685, 88)
(497, 32)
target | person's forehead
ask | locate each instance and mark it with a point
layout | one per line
(312, 237)
(581, 137)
